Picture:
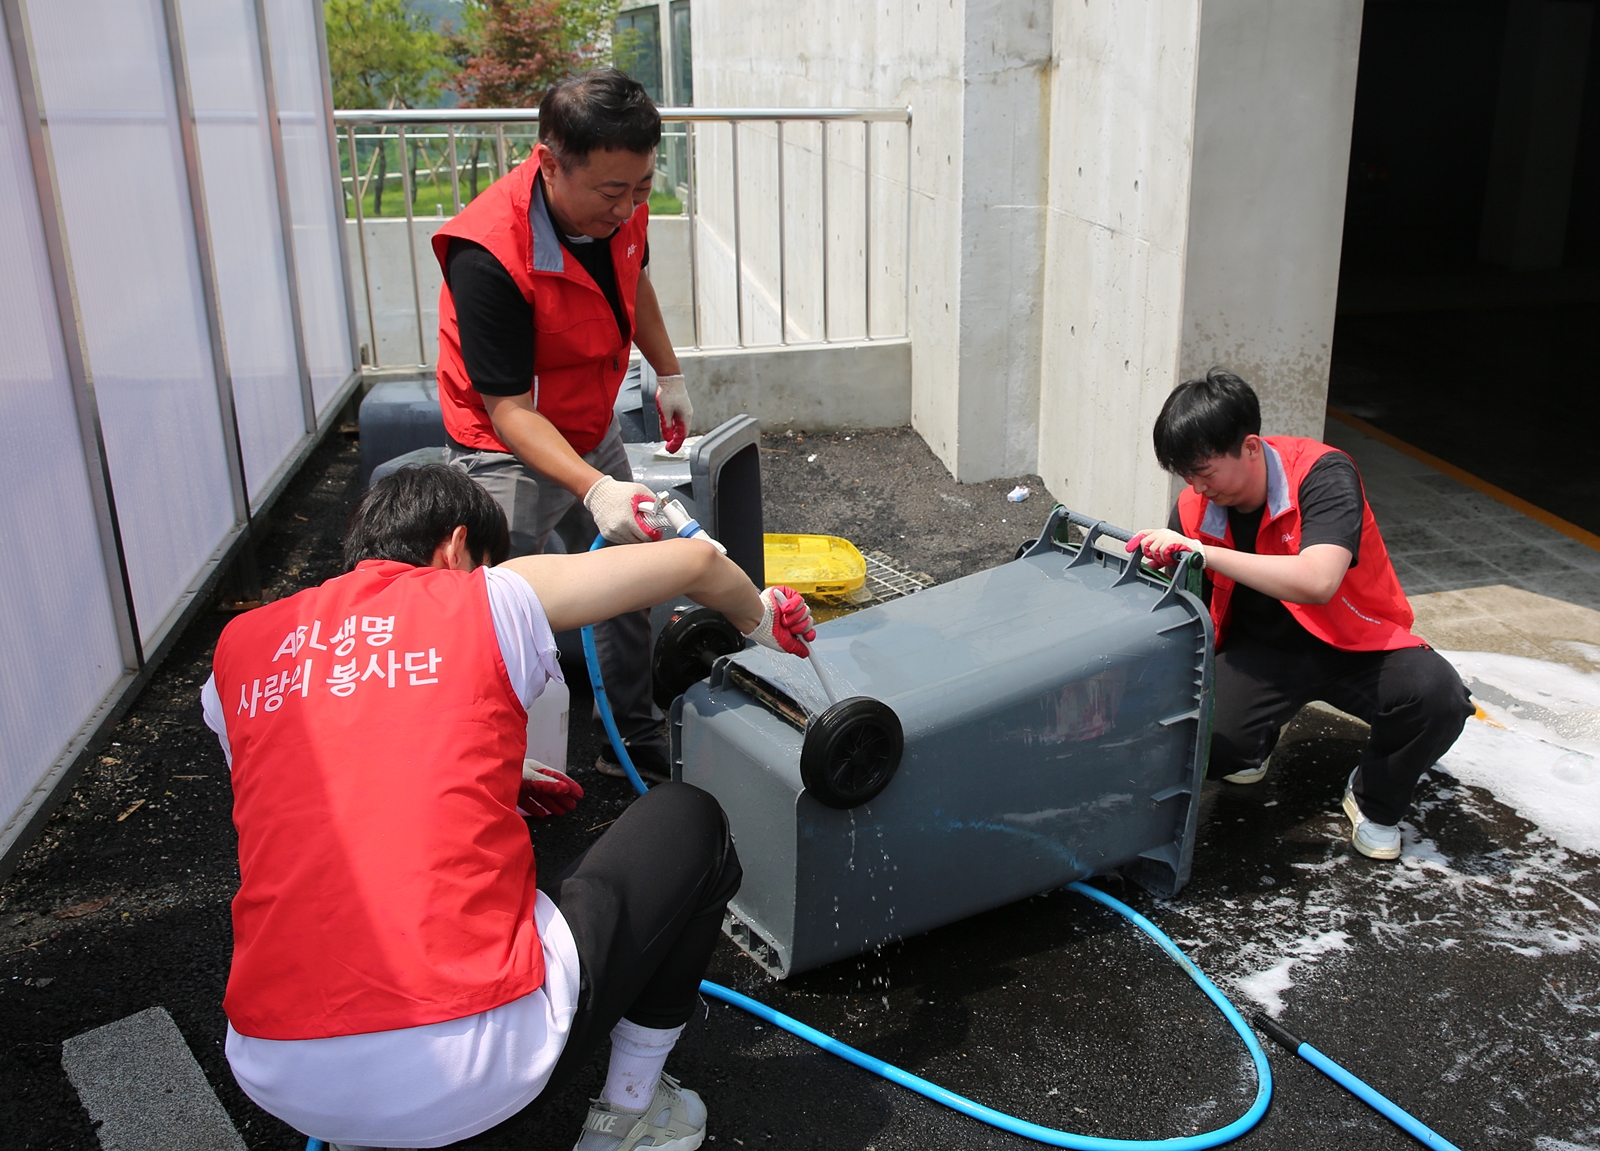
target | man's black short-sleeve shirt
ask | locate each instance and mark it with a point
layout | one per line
(494, 321)
(1330, 513)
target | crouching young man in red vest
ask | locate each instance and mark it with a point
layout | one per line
(398, 979)
(1305, 602)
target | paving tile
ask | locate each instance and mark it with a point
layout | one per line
(1580, 588)
(1457, 568)
(139, 1081)
(1526, 559)
(1409, 537)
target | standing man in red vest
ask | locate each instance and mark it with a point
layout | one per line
(398, 979)
(544, 290)
(1305, 602)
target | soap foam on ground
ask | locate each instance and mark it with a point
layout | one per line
(1543, 759)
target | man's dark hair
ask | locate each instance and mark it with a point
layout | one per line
(409, 513)
(1203, 419)
(601, 108)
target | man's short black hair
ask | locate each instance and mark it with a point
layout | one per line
(1203, 419)
(409, 513)
(601, 108)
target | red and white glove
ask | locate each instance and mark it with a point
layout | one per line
(677, 413)
(615, 508)
(785, 622)
(546, 791)
(1163, 546)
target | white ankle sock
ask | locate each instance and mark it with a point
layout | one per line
(637, 1056)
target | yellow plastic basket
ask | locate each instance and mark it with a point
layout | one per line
(824, 567)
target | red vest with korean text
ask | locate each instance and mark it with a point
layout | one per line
(579, 355)
(385, 878)
(1368, 612)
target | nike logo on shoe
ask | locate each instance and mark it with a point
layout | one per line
(601, 1123)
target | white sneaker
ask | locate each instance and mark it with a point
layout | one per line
(1249, 774)
(674, 1121)
(1375, 840)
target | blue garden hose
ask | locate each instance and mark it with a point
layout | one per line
(1402, 1119)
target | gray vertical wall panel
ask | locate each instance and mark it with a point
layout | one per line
(297, 76)
(55, 609)
(242, 207)
(108, 100)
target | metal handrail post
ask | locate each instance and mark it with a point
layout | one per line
(694, 267)
(411, 245)
(866, 229)
(361, 242)
(906, 285)
(738, 257)
(500, 150)
(823, 127)
(783, 294)
(455, 172)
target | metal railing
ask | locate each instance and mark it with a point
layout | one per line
(433, 139)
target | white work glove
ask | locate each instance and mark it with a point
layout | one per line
(672, 401)
(785, 622)
(615, 508)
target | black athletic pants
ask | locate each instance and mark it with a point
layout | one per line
(645, 906)
(1414, 700)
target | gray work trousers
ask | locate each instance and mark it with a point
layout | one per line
(545, 517)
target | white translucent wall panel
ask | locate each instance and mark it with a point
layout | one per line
(109, 103)
(55, 611)
(229, 97)
(297, 77)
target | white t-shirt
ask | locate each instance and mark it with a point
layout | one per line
(430, 1085)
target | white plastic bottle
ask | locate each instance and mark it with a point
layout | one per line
(547, 726)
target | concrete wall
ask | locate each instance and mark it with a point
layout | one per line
(1197, 180)
(815, 389)
(1122, 144)
(1273, 111)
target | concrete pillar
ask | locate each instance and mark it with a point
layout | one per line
(1538, 115)
(1273, 112)
(1196, 202)
(1005, 144)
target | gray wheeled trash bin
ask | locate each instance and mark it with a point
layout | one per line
(1054, 714)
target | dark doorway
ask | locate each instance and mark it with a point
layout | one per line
(1469, 292)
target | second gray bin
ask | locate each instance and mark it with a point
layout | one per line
(1056, 718)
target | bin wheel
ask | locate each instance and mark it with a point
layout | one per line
(851, 751)
(692, 640)
(1024, 548)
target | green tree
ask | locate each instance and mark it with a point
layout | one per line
(382, 55)
(511, 51)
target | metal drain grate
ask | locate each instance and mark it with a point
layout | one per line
(887, 582)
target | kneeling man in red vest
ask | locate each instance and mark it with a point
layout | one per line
(399, 979)
(1305, 603)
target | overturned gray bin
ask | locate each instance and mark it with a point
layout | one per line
(1055, 716)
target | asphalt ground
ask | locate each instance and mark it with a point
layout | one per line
(1462, 980)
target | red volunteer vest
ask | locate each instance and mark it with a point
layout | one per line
(579, 356)
(1368, 612)
(385, 878)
